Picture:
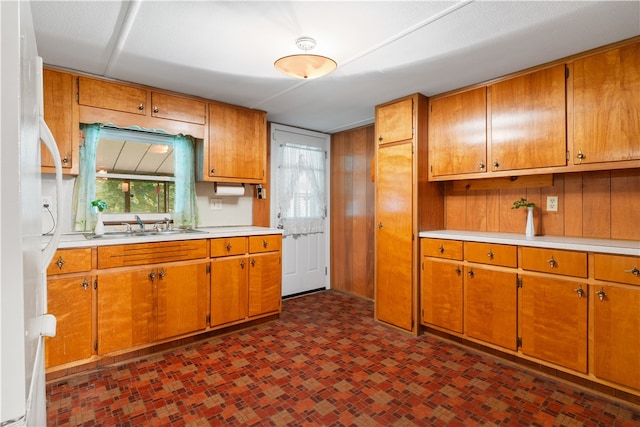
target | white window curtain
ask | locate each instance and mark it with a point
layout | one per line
(301, 187)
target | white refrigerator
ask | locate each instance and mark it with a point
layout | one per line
(23, 293)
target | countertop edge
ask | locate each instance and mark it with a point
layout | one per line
(617, 247)
(78, 240)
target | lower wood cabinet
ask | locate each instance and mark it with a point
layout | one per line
(265, 278)
(572, 310)
(553, 321)
(616, 334)
(491, 306)
(152, 303)
(70, 300)
(229, 290)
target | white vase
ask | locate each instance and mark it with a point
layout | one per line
(99, 228)
(530, 231)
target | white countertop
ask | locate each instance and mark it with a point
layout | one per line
(620, 247)
(83, 240)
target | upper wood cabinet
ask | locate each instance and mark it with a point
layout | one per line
(236, 149)
(61, 115)
(606, 106)
(394, 121)
(458, 133)
(140, 101)
(178, 108)
(528, 121)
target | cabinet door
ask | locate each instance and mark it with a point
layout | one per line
(229, 290)
(394, 260)
(458, 133)
(553, 321)
(442, 294)
(112, 96)
(59, 104)
(617, 334)
(178, 108)
(606, 106)
(490, 308)
(394, 122)
(265, 283)
(182, 299)
(237, 143)
(126, 303)
(70, 300)
(528, 121)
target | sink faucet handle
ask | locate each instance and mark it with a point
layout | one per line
(128, 226)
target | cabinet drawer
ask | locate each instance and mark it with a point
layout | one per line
(150, 253)
(490, 253)
(112, 96)
(442, 248)
(268, 243)
(70, 261)
(617, 268)
(567, 263)
(228, 246)
(177, 108)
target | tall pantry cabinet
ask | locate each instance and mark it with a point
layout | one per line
(405, 204)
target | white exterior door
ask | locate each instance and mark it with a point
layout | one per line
(299, 206)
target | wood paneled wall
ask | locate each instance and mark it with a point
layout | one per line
(603, 204)
(352, 212)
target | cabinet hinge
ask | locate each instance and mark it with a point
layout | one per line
(95, 346)
(422, 268)
(78, 89)
(568, 156)
(208, 268)
(518, 282)
(518, 342)
(413, 237)
(208, 319)
(566, 72)
(95, 283)
(413, 323)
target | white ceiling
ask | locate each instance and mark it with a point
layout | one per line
(225, 50)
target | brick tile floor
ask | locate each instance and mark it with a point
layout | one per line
(325, 362)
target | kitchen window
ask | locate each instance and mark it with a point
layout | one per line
(135, 171)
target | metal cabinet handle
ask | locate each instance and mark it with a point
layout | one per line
(552, 262)
(141, 106)
(264, 244)
(155, 109)
(601, 294)
(579, 291)
(212, 171)
(60, 262)
(634, 271)
(481, 165)
(458, 271)
(490, 254)
(253, 262)
(65, 160)
(471, 273)
(152, 275)
(242, 264)
(380, 138)
(380, 226)
(228, 247)
(441, 249)
(85, 284)
(580, 156)
(162, 273)
(496, 165)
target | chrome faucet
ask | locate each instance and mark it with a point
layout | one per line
(128, 227)
(140, 223)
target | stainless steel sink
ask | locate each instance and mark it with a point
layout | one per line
(125, 235)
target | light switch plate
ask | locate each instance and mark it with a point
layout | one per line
(215, 204)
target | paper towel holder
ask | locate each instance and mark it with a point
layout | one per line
(231, 189)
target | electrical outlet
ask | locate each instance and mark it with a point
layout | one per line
(552, 203)
(46, 201)
(215, 204)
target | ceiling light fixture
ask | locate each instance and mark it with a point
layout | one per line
(305, 66)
